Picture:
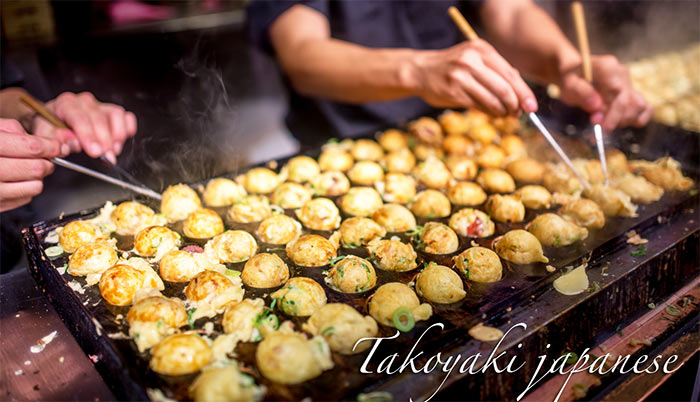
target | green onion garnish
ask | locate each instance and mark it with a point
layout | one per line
(403, 319)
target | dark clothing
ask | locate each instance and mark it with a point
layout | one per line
(378, 24)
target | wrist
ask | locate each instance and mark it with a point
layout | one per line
(568, 62)
(410, 70)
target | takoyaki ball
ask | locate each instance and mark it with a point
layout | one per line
(330, 184)
(484, 133)
(392, 140)
(180, 354)
(476, 117)
(300, 297)
(366, 150)
(361, 201)
(178, 266)
(342, 326)
(91, 260)
(311, 251)
(265, 271)
(152, 318)
(319, 214)
(438, 238)
(458, 145)
(553, 230)
(638, 188)
(224, 383)
(302, 168)
(559, 179)
(462, 167)
(232, 246)
(203, 224)
(469, 222)
(612, 201)
(479, 264)
(178, 202)
(507, 125)
(505, 208)
(616, 161)
(76, 234)
(584, 212)
(151, 280)
(526, 170)
(211, 291)
(129, 217)
(454, 123)
(291, 195)
(278, 229)
(426, 129)
(156, 241)
(290, 358)
(260, 180)
(239, 318)
(352, 274)
(590, 169)
(431, 204)
(433, 173)
(222, 192)
(393, 255)
(251, 208)
(439, 284)
(396, 187)
(365, 173)
(335, 159)
(400, 161)
(466, 193)
(359, 231)
(391, 297)
(496, 181)
(520, 247)
(664, 172)
(490, 156)
(425, 151)
(534, 197)
(394, 218)
(119, 283)
(513, 146)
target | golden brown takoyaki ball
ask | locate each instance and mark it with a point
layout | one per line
(559, 179)
(232, 246)
(590, 169)
(476, 117)
(179, 201)
(397, 187)
(91, 260)
(366, 150)
(439, 284)
(302, 168)
(152, 318)
(438, 238)
(390, 297)
(180, 354)
(505, 208)
(458, 145)
(526, 170)
(520, 247)
(506, 125)
(251, 208)
(222, 192)
(179, 266)
(584, 212)
(454, 123)
(612, 201)
(553, 230)
(392, 140)
(490, 156)
(462, 167)
(119, 283)
(426, 129)
(365, 173)
(290, 358)
(616, 161)
(260, 180)
(203, 224)
(359, 231)
(265, 271)
(479, 264)
(469, 222)
(400, 161)
(239, 318)
(335, 159)
(151, 280)
(664, 172)
(496, 181)
(431, 204)
(394, 218)
(425, 151)
(433, 173)
(291, 195)
(156, 241)
(319, 214)
(212, 291)
(342, 326)
(224, 383)
(278, 229)
(76, 234)
(393, 255)
(311, 251)
(466, 193)
(484, 133)
(352, 274)
(513, 146)
(129, 217)
(638, 188)
(300, 296)
(361, 201)
(534, 197)
(330, 184)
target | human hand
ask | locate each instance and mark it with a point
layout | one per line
(96, 128)
(23, 163)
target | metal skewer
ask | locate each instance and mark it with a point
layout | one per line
(470, 34)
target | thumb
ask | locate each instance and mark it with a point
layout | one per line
(576, 91)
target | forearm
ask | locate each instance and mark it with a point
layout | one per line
(11, 107)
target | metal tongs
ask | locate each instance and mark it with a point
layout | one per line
(133, 184)
(470, 34)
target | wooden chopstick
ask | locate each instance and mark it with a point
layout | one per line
(462, 23)
(42, 110)
(582, 36)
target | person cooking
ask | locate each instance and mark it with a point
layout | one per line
(357, 66)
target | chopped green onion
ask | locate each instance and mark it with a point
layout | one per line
(672, 310)
(190, 321)
(403, 319)
(328, 331)
(378, 396)
(640, 252)
(651, 306)
(231, 272)
(53, 251)
(336, 259)
(571, 357)
(273, 321)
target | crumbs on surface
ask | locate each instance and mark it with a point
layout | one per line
(634, 238)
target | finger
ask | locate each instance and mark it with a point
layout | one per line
(100, 126)
(71, 111)
(30, 146)
(11, 126)
(21, 189)
(499, 87)
(526, 98)
(478, 93)
(15, 169)
(131, 124)
(645, 116)
(6, 205)
(117, 123)
(579, 92)
(615, 113)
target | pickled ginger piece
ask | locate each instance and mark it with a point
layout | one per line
(572, 283)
